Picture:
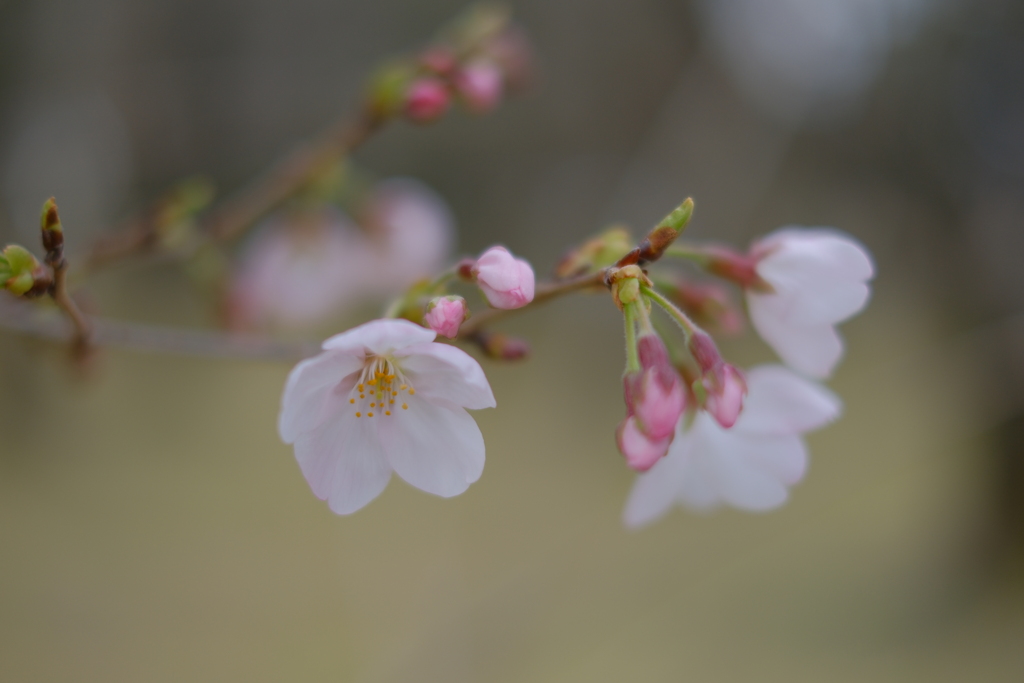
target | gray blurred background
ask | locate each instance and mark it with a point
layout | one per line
(153, 527)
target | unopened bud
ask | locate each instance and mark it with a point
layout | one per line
(725, 391)
(666, 232)
(502, 346)
(22, 274)
(427, 100)
(703, 349)
(51, 229)
(733, 266)
(641, 452)
(707, 304)
(506, 281)
(479, 85)
(445, 314)
(439, 59)
(596, 253)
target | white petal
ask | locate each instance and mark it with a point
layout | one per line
(781, 402)
(813, 351)
(814, 301)
(380, 337)
(343, 461)
(815, 250)
(730, 463)
(308, 387)
(446, 372)
(656, 490)
(783, 458)
(434, 446)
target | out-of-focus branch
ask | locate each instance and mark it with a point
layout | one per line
(232, 215)
(29, 319)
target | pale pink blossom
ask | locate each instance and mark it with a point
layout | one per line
(412, 231)
(815, 279)
(750, 466)
(426, 100)
(506, 281)
(299, 268)
(479, 84)
(385, 397)
(445, 315)
(641, 451)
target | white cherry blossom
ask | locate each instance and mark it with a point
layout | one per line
(749, 466)
(385, 397)
(817, 278)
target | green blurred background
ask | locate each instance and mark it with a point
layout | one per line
(153, 527)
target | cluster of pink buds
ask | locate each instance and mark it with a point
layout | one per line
(479, 58)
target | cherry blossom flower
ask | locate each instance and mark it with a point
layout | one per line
(445, 315)
(750, 466)
(815, 279)
(298, 268)
(506, 281)
(385, 397)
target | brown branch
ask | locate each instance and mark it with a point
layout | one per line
(81, 337)
(232, 215)
(26, 318)
(546, 291)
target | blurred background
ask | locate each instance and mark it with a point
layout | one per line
(154, 528)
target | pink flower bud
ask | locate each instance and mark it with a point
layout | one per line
(655, 395)
(439, 59)
(426, 100)
(506, 281)
(480, 85)
(733, 266)
(445, 314)
(705, 352)
(725, 395)
(708, 304)
(640, 451)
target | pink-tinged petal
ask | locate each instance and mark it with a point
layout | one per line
(440, 371)
(343, 461)
(414, 231)
(380, 337)
(433, 446)
(655, 491)
(813, 351)
(641, 451)
(781, 402)
(309, 385)
(814, 251)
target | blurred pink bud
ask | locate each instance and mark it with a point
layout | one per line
(440, 59)
(445, 314)
(426, 100)
(708, 304)
(506, 281)
(412, 230)
(733, 266)
(725, 395)
(479, 84)
(511, 50)
(640, 451)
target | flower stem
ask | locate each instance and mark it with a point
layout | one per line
(632, 353)
(688, 252)
(689, 327)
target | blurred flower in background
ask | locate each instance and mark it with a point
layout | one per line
(305, 264)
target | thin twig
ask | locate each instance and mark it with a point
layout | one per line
(545, 291)
(26, 318)
(81, 336)
(234, 214)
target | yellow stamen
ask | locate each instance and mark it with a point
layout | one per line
(369, 414)
(359, 414)
(387, 412)
(351, 400)
(405, 406)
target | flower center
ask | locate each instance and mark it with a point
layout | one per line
(378, 391)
